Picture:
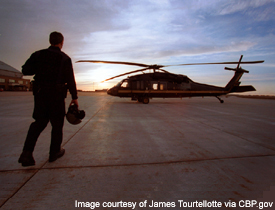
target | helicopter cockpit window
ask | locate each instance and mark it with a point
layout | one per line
(125, 84)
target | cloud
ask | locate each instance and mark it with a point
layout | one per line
(210, 49)
(146, 31)
(230, 7)
(25, 25)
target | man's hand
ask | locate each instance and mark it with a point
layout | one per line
(74, 101)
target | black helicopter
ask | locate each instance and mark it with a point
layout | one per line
(163, 84)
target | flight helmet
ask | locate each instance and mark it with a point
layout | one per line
(74, 116)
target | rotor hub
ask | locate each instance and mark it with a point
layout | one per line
(155, 66)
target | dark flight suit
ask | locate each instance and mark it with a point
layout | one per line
(53, 76)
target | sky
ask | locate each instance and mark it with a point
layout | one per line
(146, 31)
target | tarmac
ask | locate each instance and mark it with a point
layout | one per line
(168, 154)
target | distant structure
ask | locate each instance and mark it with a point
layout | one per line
(12, 79)
(103, 90)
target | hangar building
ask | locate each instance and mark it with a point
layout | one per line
(12, 79)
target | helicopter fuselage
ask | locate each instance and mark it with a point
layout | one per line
(162, 85)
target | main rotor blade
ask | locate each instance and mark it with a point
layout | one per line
(131, 72)
(243, 62)
(115, 62)
(160, 66)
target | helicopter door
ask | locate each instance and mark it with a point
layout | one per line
(139, 85)
(162, 85)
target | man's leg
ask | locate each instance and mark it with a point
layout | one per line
(26, 158)
(41, 116)
(57, 121)
(57, 134)
(34, 131)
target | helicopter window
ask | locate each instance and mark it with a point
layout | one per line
(125, 84)
(137, 85)
(159, 85)
(155, 86)
(118, 84)
(163, 85)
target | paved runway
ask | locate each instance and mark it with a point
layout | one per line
(171, 152)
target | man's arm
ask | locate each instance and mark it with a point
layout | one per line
(74, 101)
(29, 68)
(71, 82)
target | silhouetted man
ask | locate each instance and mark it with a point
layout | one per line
(53, 76)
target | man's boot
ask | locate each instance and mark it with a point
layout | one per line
(54, 157)
(26, 159)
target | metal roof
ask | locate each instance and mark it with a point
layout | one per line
(7, 70)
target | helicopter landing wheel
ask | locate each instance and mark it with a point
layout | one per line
(145, 100)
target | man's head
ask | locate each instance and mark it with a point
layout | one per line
(56, 39)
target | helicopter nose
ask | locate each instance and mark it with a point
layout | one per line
(109, 91)
(112, 91)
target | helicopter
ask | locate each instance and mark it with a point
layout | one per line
(163, 84)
